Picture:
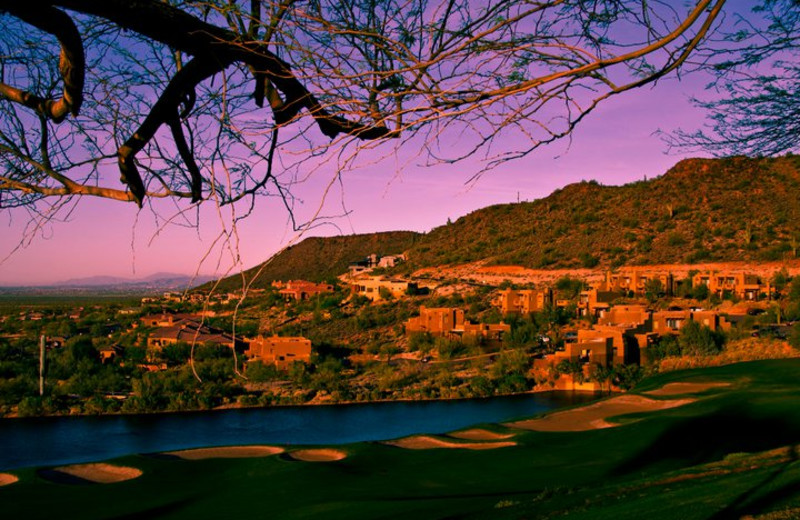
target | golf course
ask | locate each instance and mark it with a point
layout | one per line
(706, 443)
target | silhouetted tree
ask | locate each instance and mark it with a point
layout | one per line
(196, 100)
(756, 63)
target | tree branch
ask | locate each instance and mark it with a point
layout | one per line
(163, 111)
(179, 30)
(71, 63)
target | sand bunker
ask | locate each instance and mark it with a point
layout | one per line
(7, 478)
(478, 434)
(594, 416)
(685, 388)
(227, 452)
(321, 455)
(100, 473)
(425, 442)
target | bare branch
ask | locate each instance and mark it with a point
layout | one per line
(71, 60)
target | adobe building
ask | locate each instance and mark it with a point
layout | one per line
(588, 353)
(166, 319)
(436, 321)
(449, 322)
(109, 353)
(376, 287)
(300, 290)
(599, 350)
(670, 322)
(523, 301)
(279, 351)
(595, 303)
(631, 315)
(742, 285)
(372, 261)
(630, 329)
(635, 281)
(492, 332)
(192, 332)
(389, 261)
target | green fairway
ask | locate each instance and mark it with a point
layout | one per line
(707, 459)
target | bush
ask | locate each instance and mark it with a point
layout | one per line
(569, 287)
(588, 261)
(666, 346)
(675, 239)
(696, 339)
(627, 376)
(30, 407)
(794, 336)
(653, 290)
(700, 292)
(780, 279)
(422, 341)
(259, 372)
(698, 255)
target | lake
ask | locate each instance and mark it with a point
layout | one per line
(49, 441)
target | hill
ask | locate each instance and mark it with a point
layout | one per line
(701, 210)
(320, 258)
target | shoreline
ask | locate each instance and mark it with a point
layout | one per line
(307, 405)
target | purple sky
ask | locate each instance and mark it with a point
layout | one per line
(614, 145)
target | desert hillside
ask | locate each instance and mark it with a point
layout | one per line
(701, 210)
(317, 259)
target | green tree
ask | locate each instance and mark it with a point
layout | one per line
(176, 354)
(573, 368)
(627, 376)
(481, 386)
(700, 292)
(780, 279)
(697, 339)
(666, 346)
(794, 336)
(588, 261)
(653, 290)
(569, 287)
(603, 374)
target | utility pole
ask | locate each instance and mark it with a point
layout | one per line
(41, 365)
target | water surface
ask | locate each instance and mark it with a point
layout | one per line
(60, 440)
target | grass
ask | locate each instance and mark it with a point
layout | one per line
(709, 459)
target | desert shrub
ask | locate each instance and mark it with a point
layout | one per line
(422, 341)
(569, 287)
(666, 346)
(698, 255)
(675, 240)
(696, 339)
(627, 376)
(259, 372)
(588, 261)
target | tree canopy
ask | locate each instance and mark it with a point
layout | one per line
(754, 107)
(227, 100)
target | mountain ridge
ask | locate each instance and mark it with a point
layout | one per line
(700, 210)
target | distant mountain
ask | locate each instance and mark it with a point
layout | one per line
(317, 259)
(91, 281)
(164, 281)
